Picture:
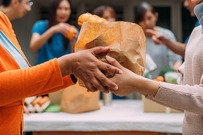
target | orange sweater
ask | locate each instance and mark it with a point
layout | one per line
(16, 84)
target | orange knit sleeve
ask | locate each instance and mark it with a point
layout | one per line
(40, 79)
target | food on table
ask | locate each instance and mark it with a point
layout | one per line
(160, 78)
(37, 104)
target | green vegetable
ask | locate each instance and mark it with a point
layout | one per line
(165, 70)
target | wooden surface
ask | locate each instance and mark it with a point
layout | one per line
(98, 133)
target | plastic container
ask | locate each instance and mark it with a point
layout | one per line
(107, 99)
(171, 77)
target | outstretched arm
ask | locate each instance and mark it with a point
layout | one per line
(159, 39)
(183, 97)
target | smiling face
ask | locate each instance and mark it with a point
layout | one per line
(63, 11)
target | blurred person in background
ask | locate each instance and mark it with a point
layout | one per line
(105, 12)
(49, 36)
(176, 47)
(16, 9)
(146, 17)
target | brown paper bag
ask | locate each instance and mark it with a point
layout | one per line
(126, 40)
(76, 99)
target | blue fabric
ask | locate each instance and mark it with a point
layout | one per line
(199, 13)
(53, 50)
(196, 24)
(13, 51)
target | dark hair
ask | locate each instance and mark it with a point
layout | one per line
(141, 10)
(6, 3)
(100, 10)
(52, 19)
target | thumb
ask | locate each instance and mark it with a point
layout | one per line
(113, 62)
(98, 50)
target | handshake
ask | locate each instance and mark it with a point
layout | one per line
(124, 42)
(89, 69)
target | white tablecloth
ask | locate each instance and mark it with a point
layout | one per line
(123, 115)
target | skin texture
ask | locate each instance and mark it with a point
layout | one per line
(129, 82)
(62, 15)
(88, 68)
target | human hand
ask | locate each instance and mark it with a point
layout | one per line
(73, 38)
(157, 37)
(72, 35)
(125, 81)
(129, 82)
(63, 28)
(88, 68)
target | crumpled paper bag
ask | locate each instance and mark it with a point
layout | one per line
(126, 40)
(76, 99)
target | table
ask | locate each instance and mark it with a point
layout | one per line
(124, 117)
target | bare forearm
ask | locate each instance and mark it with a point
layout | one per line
(38, 41)
(176, 47)
(145, 86)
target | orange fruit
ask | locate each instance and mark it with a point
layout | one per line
(71, 33)
(155, 80)
(160, 78)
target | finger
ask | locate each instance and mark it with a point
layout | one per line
(113, 62)
(90, 87)
(152, 32)
(98, 50)
(105, 81)
(109, 68)
(68, 25)
(156, 41)
(97, 85)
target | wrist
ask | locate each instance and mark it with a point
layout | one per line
(147, 87)
(66, 64)
(52, 30)
(166, 41)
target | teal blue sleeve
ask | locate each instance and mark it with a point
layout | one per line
(39, 27)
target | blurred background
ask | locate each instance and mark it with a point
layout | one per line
(172, 15)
